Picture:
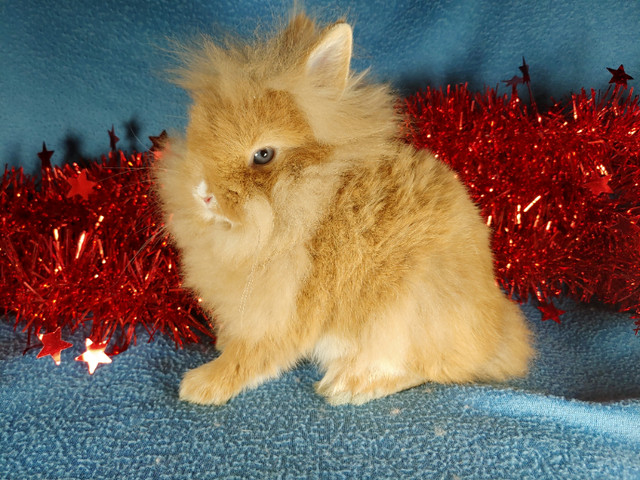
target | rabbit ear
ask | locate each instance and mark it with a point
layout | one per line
(328, 63)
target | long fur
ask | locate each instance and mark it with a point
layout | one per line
(349, 247)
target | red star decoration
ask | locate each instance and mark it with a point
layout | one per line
(550, 312)
(159, 141)
(81, 185)
(53, 345)
(113, 139)
(600, 185)
(94, 355)
(525, 72)
(513, 82)
(45, 156)
(620, 77)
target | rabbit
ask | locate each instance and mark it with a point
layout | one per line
(311, 231)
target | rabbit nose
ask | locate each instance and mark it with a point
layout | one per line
(202, 191)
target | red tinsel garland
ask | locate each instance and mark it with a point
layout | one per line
(85, 246)
(560, 191)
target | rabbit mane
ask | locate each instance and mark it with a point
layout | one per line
(359, 113)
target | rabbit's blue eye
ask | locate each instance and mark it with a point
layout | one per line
(263, 156)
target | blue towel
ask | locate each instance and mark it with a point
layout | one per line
(69, 70)
(576, 416)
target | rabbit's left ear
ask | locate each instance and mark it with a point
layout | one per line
(328, 63)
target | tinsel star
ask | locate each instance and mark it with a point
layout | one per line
(81, 186)
(45, 156)
(52, 344)
(600, 185)
(619, 77)
(113, 139)
(513, 82)
(525, 72)
(158, 141)
(550, 312)
(94, 355)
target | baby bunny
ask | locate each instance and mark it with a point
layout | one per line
(309, 229)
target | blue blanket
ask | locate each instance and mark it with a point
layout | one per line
(68, 72)
(576, 416)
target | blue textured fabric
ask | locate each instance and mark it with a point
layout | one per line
(72, 69)
(577, 416)
(69, 70)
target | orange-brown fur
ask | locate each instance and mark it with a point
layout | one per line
(350, 247)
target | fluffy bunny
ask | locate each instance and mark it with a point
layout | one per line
(309, 229)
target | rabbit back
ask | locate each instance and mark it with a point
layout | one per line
(404, 266)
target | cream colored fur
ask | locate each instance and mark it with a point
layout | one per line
(349, 247)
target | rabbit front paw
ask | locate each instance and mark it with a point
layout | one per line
(207, 385)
